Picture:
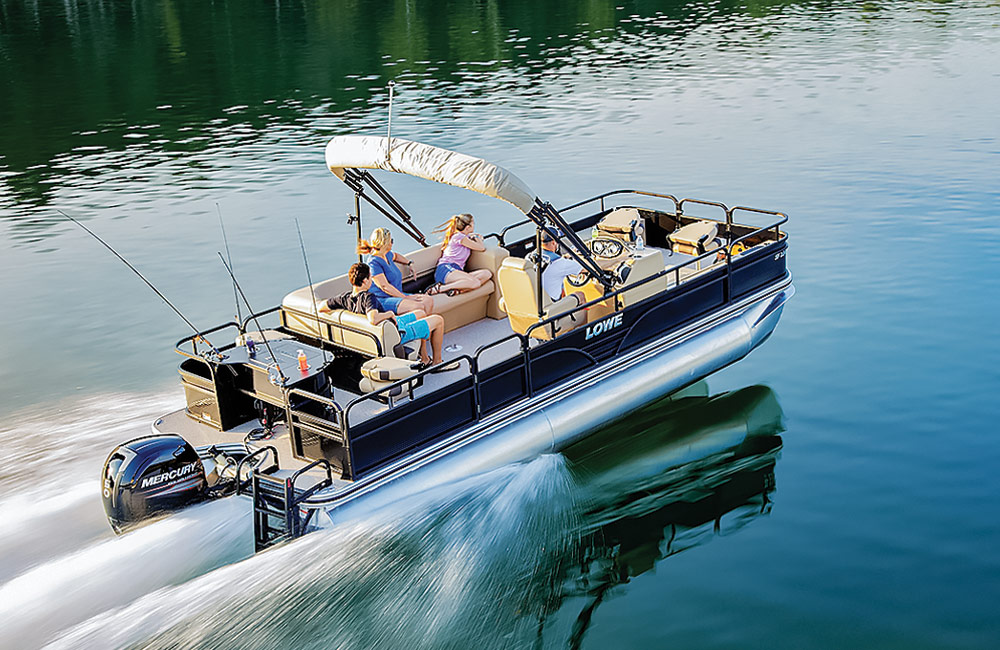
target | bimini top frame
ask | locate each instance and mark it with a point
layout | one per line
(425, 161)
(347, 154)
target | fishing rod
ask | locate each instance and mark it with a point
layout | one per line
(253, 315)
(312, 290)
(225, 240)
(198, 335)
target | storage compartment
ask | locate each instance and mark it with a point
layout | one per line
(214, 396)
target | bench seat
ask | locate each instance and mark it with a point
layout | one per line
(353, 331)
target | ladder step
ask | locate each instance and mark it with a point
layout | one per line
(276, 505)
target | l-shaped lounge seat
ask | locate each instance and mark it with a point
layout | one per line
(354, 332)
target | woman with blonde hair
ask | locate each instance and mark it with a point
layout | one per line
(459, 242)
(387, 278)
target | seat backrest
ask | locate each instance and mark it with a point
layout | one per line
(625, 224)
(518, 281)
(695, 238)
(490, 260)
(350, 330)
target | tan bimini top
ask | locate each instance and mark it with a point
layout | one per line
(425, 161)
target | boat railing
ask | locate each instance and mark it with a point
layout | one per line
(679, 205)
(329, 425)
(603, 207)
(256, 315)
(725, 248)
(262, 452)
(782, 219)
(601, 199)
(197, 337)
(525, 366)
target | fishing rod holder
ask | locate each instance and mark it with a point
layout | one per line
(275, 376)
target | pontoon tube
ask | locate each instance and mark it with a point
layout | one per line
(570, 413)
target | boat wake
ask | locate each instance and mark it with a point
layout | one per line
(517, 557)
(59, 561)
(49, 501)
(112, 573)
(449, 568)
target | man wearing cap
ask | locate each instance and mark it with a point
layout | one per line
(557, 270)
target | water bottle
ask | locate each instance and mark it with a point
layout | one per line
(303, 365)
(639, 243)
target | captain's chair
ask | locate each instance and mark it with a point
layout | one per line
(518, 281)
(625, 224)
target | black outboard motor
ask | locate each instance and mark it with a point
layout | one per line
(150, 476)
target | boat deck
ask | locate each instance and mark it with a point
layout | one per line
(202, 435)
(462, 341)
(468, 339)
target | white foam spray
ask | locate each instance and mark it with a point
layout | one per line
(113, 573)
(50, 500)
(473, 564)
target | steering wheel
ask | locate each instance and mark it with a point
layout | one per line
(606, 248)
(579, 279)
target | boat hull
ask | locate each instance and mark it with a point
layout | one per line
(565, 414)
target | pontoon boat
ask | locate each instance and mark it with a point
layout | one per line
(674, 290)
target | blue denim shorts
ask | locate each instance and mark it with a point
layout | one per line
(388, 303)
(442, 271)
(411, 328)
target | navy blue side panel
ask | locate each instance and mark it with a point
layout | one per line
(690, 304)
(552, 366)
(502, 384)
(758, 269)
(411, 424)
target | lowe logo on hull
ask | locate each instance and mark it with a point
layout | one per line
(156, 479)
(603, 326)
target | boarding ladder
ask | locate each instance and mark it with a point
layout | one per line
(276, 500)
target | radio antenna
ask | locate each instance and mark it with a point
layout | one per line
(253, 315)
(197, 332)
(312, 289)
(225, 240)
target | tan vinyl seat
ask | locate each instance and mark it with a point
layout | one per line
(352, 331)
(625, 224)
(519, 290)
(695, 238)
(383, 372)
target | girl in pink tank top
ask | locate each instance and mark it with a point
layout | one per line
(450, 275)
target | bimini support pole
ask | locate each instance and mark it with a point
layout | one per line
(539, 261)
(559, 229)
(356, 218)
(388, 134)
(357, 180)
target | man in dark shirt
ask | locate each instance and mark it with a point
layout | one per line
(412, 326)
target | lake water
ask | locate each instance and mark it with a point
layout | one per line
(837, 488)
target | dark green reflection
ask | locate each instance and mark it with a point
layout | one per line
(149, 78)
(656, 482)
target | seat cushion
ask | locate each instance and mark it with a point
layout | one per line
(463, 308)
(695, 233)
(387, 369)
(623, 223)
(370, 386)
